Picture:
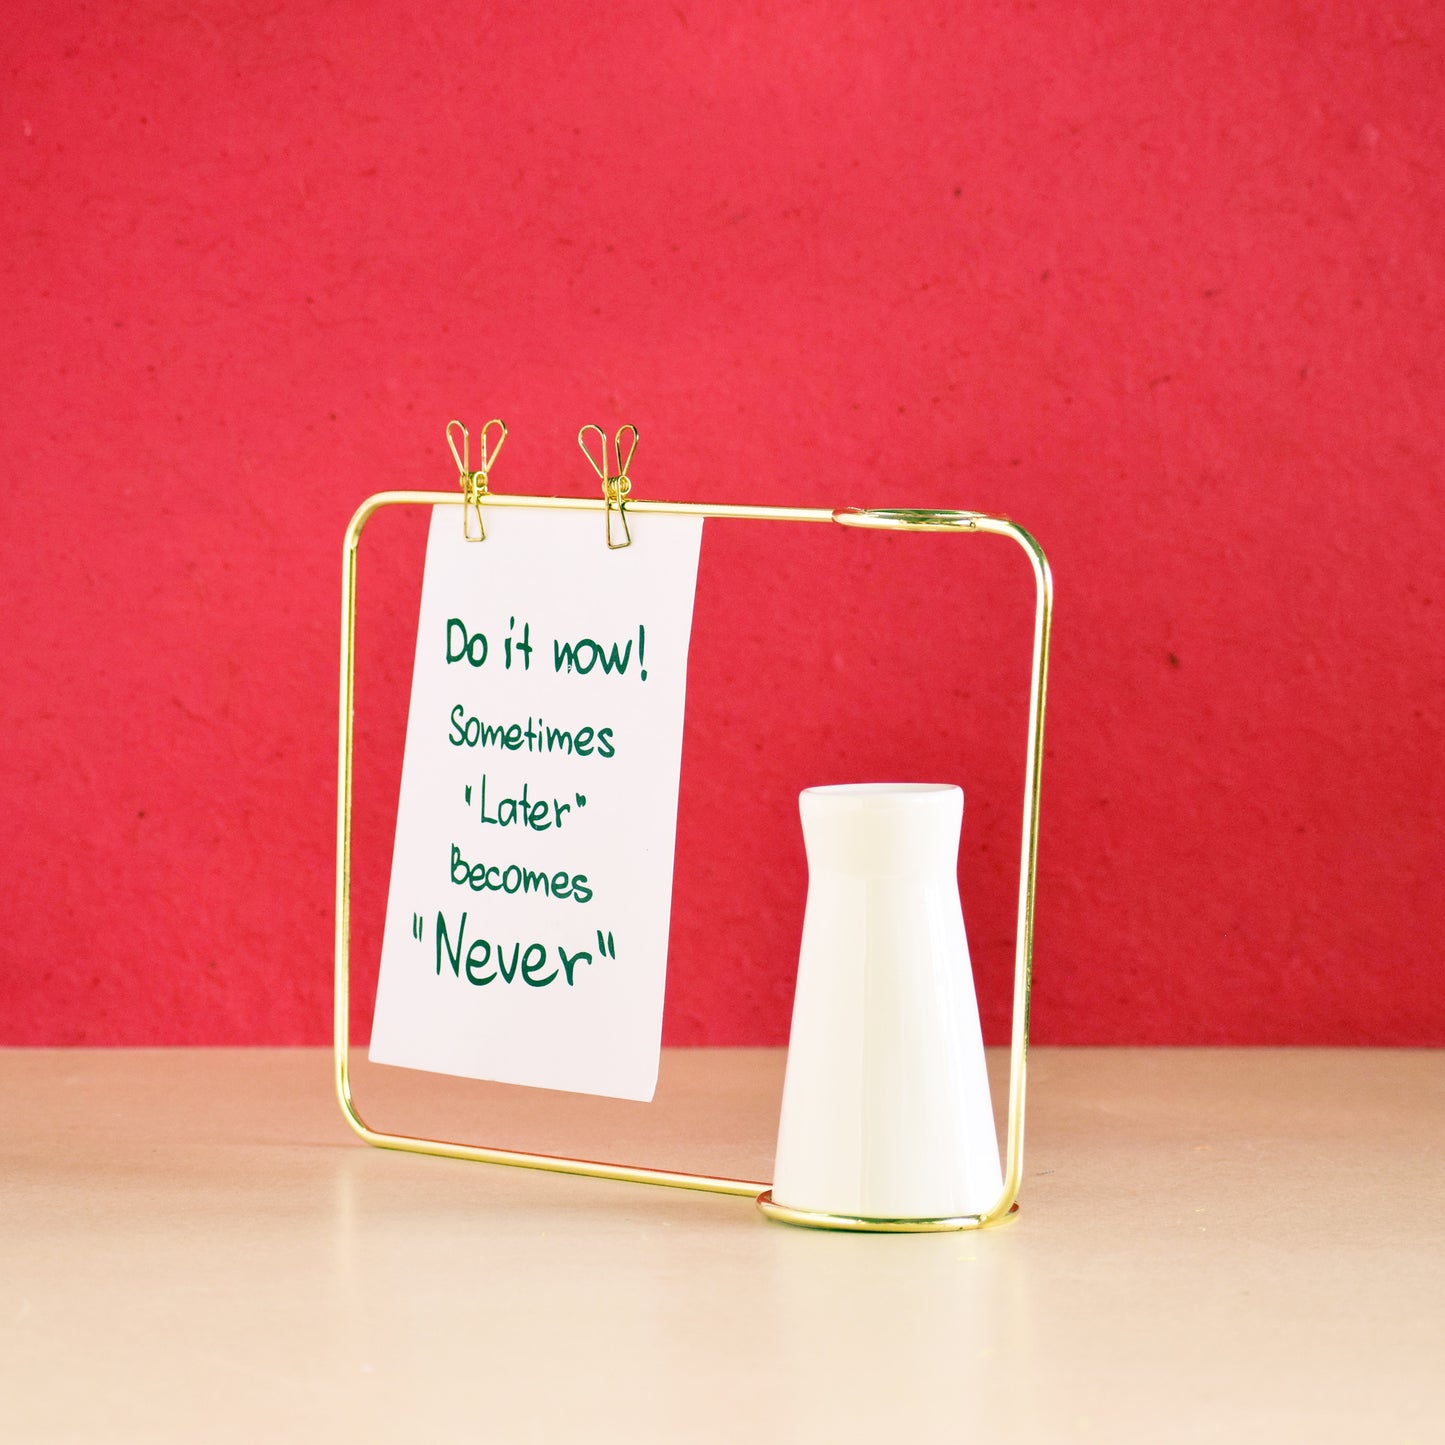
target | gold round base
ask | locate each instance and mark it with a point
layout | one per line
(813, 1219)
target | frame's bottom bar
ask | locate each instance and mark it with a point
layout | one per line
(549, 1163)
(813, 1219)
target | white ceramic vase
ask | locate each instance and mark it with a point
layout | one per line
(886, 1111)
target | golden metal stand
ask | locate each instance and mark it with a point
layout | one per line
(475, 498)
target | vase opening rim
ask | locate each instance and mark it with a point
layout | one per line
(873, 790)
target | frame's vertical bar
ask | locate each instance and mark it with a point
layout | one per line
(341, 1002)
(1028, 871)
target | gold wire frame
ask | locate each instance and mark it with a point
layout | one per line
(977, 523)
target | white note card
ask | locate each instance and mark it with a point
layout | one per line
(531, 883)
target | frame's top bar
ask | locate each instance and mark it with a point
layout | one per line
(898, 519)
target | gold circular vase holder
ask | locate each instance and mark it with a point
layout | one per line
(814, 1219)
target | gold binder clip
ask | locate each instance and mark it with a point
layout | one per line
(615, 485)
(474, 484)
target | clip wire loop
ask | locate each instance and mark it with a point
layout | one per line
(910, 520)
(615, 485)
(474, 484)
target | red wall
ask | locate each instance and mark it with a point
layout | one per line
(1162, 282)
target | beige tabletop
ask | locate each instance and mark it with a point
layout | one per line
(1212, 1245)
